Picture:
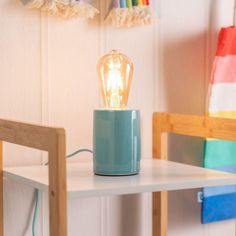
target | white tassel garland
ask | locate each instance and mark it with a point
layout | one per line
(63, 8)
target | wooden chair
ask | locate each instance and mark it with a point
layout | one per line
(47, 139)
(197, 126)
(52, 140)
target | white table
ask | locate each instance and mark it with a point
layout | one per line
(155, 176)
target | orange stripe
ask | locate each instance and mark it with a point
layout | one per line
(140, 2)
(146, 2)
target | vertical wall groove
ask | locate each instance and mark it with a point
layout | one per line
(45, 104)
(208, 48)
(104, 201)
(45, 80)
(158, 56)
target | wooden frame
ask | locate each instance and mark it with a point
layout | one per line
(52, 140)
(198, 126)
(47, 139)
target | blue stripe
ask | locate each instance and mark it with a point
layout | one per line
(221, 207)
(213, 191)
(123, 3)
(231, 169)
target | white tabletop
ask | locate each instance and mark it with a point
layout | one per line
(155, 175)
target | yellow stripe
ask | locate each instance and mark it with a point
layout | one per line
(223, 114)
(140, 2)
(210, 139)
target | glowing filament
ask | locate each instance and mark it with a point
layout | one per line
(115, 72)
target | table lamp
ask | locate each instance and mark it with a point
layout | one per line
(116, 134)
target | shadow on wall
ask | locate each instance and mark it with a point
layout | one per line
(125, 215)
(186, 72)
(187, 63)
(131, 207)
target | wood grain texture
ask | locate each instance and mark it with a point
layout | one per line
(51, 140)
(159, 199)
(57, 186)
(29, 135)
(197, 126)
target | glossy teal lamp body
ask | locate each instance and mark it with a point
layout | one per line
(116, 132)
(116, 142)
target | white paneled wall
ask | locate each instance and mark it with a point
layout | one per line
(48, 76)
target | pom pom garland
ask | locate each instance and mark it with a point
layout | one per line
(63, 8)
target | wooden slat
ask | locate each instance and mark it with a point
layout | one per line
(57, 186)
(198, 126)
(51, 140)
(159, 199)
(160, 213)
(29, 135)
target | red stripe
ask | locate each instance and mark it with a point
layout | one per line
(227, 42)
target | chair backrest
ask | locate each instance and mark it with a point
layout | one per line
(197, 126)
(47, 139)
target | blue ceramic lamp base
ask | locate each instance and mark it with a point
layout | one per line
(116, 142)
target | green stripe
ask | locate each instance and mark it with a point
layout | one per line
(135, 2)
(129, 3)
(219, 153)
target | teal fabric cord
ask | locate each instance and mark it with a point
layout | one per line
(35, 211)
(37, 191)
(79, 151)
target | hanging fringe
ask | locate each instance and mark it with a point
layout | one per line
(63, 8)
(127, 13)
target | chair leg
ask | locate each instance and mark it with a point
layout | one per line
(57, 187)
(160, 214)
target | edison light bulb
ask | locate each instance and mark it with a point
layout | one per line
(115, 76)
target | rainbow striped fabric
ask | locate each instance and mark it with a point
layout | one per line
(130, 3)
(219, 203)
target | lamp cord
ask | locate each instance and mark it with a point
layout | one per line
(36, 195)
(36, 200)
